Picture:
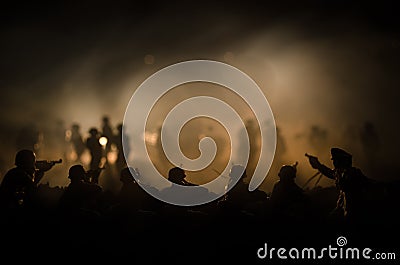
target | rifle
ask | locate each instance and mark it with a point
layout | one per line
(45, 165)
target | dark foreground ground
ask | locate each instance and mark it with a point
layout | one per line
(207, 235)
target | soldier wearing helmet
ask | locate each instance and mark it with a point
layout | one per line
(19, 186)
(95, 148)
(287, 197)
(350, 182)
(80, 196)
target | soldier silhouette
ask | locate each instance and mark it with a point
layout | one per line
(121, 162)
(80, 198)
(19, 188)
(350, 181)
(77, 141)
(177, 176)
(287, 199)
(95, 148)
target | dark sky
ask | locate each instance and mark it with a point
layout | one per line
(332, 63)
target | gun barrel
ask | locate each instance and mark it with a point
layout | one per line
(49, 161)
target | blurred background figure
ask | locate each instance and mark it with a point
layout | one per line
(121, 161)
(95, 148)
(77, 142)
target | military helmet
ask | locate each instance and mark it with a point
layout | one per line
(340, 157)
(338, 153)
(287, 172)
(25, 158)
(76, 172)
(93, 131)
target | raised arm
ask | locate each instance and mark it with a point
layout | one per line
(314, 162)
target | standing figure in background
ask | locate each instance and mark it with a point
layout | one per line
(121, 161)
(77, 141)
(287, 198)
(95, 148)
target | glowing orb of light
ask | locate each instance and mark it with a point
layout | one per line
(103, 140)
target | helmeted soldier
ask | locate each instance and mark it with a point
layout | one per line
(350, 182)
(19, 186)
(288, 201)
(80, 196)
(286, 191)
(95, 148)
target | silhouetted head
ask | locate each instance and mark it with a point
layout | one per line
(340, 158)
(26, 159)
(176, 175)
(106, 119)
(238, 171)
(75, 126)
(287, 172)
(93, 131)
(76, 172)
(126, 175)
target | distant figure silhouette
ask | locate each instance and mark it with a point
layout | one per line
(287, 198)
(95, 148)
(80, 198)
(19, 187)
(77, 141)
(350, 182)
(253, 132)
(121, 162)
